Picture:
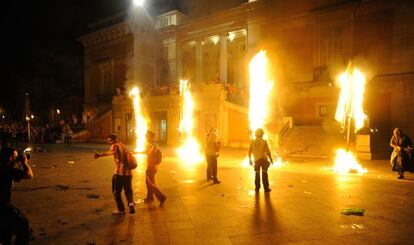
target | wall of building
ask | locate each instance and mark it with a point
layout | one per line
(309, 43)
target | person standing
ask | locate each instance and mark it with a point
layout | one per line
(212, 153)
(67, 132)
(122, 178)
(401, 155)
(13, 167)
(262, 159)
(154, 158)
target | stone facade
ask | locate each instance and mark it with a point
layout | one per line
(309, 43)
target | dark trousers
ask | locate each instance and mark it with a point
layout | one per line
(68, 140)
(13, 222)
(152, 188)
(262, 164)
(211, 167)
(120, 182)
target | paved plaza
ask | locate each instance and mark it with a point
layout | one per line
(70, 202)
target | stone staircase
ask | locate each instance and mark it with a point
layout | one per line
(309, 141)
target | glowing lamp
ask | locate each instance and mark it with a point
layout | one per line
(138, 3)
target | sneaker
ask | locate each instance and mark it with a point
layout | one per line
(257, 189)
(267, 190)
(400, 177)
(131, 208)
(118, 212)
(216, 181)
(162, 201)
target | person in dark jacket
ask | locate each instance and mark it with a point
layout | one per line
(212, 153)
(401, 155)
(13, 167)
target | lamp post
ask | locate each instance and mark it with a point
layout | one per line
(27, 115)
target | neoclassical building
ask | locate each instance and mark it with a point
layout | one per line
(309, 43)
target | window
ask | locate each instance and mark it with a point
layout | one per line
(332, 45)
(323, 111)
(164, 22)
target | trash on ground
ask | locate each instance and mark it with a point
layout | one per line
(353, 226)
(93, 196)
(62, 187)
(308, 192)
(353, 211)
(71, 162)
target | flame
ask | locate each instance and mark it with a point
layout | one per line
(350, 104)
(141, 123)
(260, 89)
(345, 162)
(189, 151)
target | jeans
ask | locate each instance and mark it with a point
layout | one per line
(262, 164)
(120, 182)
(152, 189)
(211, 168)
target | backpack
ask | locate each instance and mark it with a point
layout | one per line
(155, 156)
(131, 162)
(128, 159)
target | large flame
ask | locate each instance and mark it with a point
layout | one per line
(350, 112)
(189, 151)
(345, 162)
(141, 123)
(350, 103)
(260, 89)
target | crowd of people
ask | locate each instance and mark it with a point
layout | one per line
(15, 133)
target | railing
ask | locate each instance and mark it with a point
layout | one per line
(286, 125)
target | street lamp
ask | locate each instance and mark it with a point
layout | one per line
(138, 3)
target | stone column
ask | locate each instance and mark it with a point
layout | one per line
(179, 63)
(223, 58)
(199, 62)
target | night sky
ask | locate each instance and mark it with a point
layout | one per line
(40, 54)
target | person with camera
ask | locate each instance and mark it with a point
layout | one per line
(13, 167)
(122, 178)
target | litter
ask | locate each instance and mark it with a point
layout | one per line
(62, 187)
(353, 211)
(92, 196)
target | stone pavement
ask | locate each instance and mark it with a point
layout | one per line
(70, 202)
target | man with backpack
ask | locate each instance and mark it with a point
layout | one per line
(154, 158)
(122, 178)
